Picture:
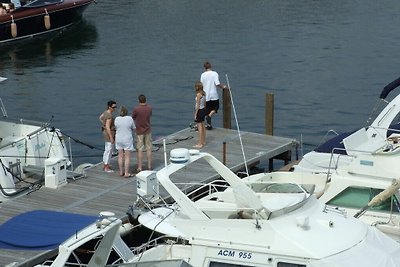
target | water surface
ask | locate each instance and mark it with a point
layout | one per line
(325, 61)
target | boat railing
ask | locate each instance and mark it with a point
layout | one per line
(286, 210)
(335, 156)
(41, 129)
(325, 138)
(27, 122)
(39, 3)
(334, 161)
(2, 107)
(394, 130)
(195, 191)
(12, 144)
(246, 213)
(155, 242)
(22, 138)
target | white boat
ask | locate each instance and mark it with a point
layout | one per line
(375, 201)
(239, 223)
(355, 167)
(27, 147)
(372, 150)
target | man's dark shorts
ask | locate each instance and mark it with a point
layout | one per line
(212, 105)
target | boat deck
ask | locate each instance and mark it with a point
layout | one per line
(99, 191)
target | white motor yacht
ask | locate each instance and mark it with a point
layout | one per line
(28, 147)
(235, 222)
(372, 150)
(374, 200)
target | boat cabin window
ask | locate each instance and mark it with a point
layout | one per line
(279, 264)
(357, 197)
(226, 264)
(287, 264)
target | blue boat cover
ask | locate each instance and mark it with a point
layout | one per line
(41, 229)
(388, 88)
(337, 141)
(334, 143)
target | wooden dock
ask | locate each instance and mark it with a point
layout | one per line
(99, 191)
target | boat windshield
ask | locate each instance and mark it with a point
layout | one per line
(39, 3)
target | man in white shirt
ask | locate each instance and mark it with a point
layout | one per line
(210, 81)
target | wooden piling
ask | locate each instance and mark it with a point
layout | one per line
(224, 153)
(269, 114)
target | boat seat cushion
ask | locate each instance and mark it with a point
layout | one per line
(41, 229)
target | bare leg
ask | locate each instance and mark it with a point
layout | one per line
(139, 158)
(127, 162)
(121, 161)
(148, 152)
(202, 131)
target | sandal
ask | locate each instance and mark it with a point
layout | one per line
(198, 146)
(129, 175)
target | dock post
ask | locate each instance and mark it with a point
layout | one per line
(269, 121)
(224, 153)
(269, 114)
(227, 109)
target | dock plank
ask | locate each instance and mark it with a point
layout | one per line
(99, 191)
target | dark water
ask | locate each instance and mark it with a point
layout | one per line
(325, 61)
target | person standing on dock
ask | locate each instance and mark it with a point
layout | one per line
(125, 127)
(108, 129)
(210, 81)
(200, 113)
(141, 114)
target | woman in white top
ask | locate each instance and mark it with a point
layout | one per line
(125, 128)
(200, 113)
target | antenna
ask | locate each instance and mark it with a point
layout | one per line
(237, 125)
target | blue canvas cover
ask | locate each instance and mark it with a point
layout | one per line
(41, 229)
(337, 141)
(334, 143)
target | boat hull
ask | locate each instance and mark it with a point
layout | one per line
(30, 22)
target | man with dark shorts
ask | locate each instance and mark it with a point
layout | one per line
(210, 81)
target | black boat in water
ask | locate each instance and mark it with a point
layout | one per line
(20, 19)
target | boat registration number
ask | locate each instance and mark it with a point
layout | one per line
(234, 254)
